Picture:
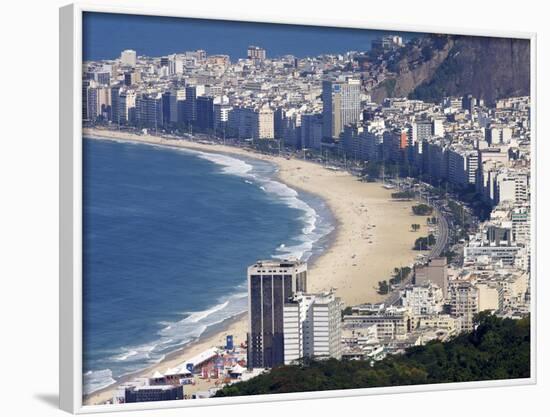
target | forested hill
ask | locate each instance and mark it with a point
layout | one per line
(497, 349)
(435, 66)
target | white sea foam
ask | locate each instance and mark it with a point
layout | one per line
(176, 334)
(313, 229)
(201, 315)
(136, 353)
(282, 192)
(96, 380)
(232, 166)
(236, 166)
(172, 336)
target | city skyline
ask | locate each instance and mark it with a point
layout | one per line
(157, 36)
(407, 183)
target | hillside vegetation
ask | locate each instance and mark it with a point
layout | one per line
(497, 349)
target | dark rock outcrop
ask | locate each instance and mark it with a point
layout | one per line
(488, 68)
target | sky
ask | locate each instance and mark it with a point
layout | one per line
(105, 35)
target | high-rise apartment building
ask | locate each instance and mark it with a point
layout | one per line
(205, 113)
(221, 116)
(422, 130)
(100, 76)
(463, 296)
(92, 105)
(249, 122)
(287, 126)
(175, 64)
(177, 96)
(85, 85)
(312, 327)
(425, 299)
(98, 101)
(311, 131)
(438, 127)
(462, 165)
(128, 58)
(324, 333)
(190, 104)
(271, 284)
(498, 134)
(126, 107)
(132, 78)
(264, 124)
(469, 102)
(149, 111)
(394, 145)
(115, 103)
(166, 110)
(297, 312)
(341, 106)
(521, 224)
(240, 121)
(360, 143)
(256, 53)
(512, 186)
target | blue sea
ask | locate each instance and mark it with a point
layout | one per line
(168, 235)
(105, 35)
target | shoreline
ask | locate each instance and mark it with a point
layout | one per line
(358, 210)
(212, 335)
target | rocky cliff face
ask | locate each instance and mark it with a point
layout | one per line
(436, 66)
(416, 66)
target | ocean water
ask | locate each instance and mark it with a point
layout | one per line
(105, 35)
(168, 235)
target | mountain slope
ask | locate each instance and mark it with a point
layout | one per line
(488, 68)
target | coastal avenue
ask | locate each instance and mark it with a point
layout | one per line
(439, 247)
(443, 234)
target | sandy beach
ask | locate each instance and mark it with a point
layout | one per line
(373, 236)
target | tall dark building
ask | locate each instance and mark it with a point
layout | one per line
(166, 109)
(149, 111)
(205, 113)
(115, 104)
(270, 284)
(85, 86)
(190, 105)
(278, 119)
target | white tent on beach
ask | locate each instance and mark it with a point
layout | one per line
(236, 371)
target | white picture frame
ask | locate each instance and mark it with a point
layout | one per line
(70, 154)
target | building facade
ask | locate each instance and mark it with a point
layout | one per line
(128, 58)
(341, 106)
(312, 327)
(270, 285)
